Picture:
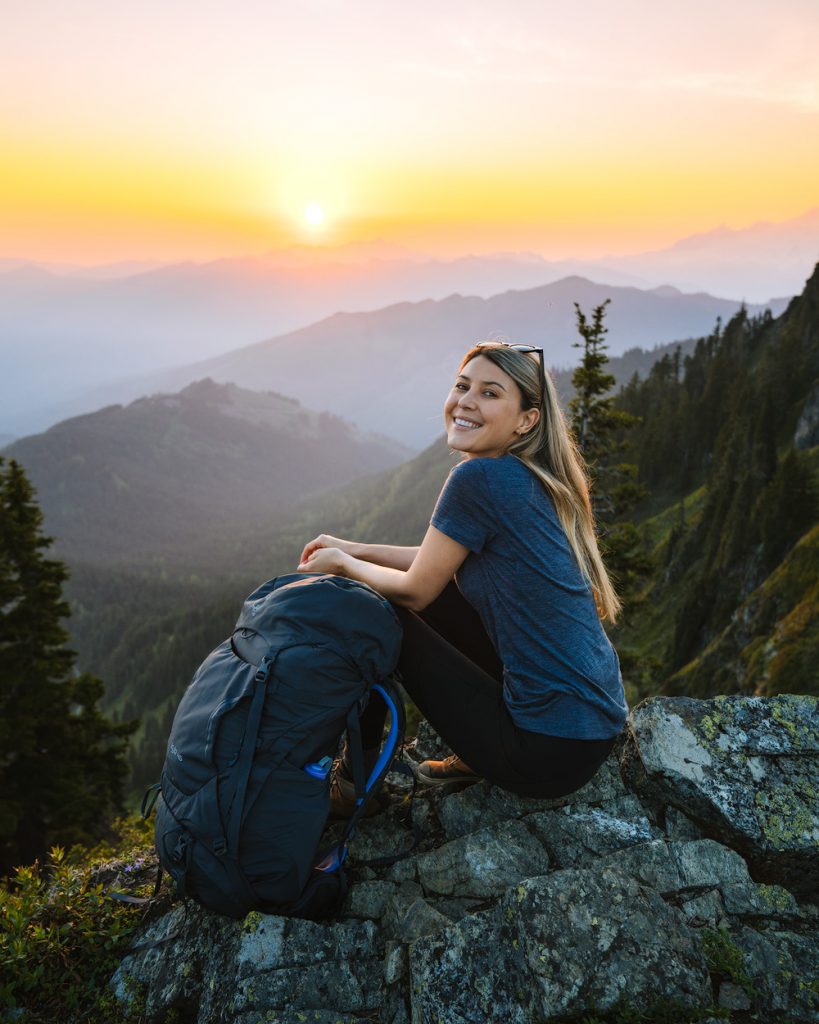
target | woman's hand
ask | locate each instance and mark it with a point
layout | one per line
(324, 540)
(329, 560)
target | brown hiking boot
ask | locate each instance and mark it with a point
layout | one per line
(438, 773)
(343, 801)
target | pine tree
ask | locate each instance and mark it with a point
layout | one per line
(598, 427)
(62, 763)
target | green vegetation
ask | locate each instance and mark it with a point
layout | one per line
(731, 607)
(62, 763)
(600, 428)
(62, 936)
(726, 961)
(663, 1011)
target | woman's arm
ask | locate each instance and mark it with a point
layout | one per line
(381, 554)
(415, 587)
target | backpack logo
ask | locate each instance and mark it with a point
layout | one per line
(176, 753)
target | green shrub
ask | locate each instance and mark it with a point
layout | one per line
(62, 936)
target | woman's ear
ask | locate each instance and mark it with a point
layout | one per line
(528, 421)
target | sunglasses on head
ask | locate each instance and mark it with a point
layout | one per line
(525, 349)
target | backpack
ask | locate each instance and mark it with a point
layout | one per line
(244, 793)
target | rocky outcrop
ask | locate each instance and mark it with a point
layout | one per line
(807, 429)
(680, 881)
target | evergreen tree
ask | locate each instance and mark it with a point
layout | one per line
(62, 763)
(599, 427)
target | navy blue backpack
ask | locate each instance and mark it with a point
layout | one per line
(244, 796)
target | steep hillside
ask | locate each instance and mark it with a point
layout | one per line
(170, 472)
(732, 606)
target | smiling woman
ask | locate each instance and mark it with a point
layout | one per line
(501, 605)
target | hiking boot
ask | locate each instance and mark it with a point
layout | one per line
(343, 800)
(438, 773)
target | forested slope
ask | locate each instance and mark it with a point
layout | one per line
(736, 501)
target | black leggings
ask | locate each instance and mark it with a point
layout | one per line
(452, 672)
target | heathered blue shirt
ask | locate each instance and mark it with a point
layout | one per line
(561, 673)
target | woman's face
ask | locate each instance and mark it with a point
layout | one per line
(482, 413)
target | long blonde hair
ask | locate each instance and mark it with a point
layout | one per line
(551, 453)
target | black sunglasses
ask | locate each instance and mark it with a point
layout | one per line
(525, 349)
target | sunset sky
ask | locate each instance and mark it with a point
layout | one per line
(169, 130)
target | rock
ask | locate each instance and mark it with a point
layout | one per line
(807, 429)
(290, 964)
(544, 910)
(483, 863)
(732, 997)
(750, 899)
(678, 826)
(576, 839)
(368, 900)
(745, 769)
(274, 964)
(480, 804)
(558, 945)
(782, 974)
(407, 921)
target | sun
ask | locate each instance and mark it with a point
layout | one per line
(314, 215)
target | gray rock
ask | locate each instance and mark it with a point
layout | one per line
(746, 769)
(732, 997)
(782, 970)
(677, 867)
(383, 835)
(300, 965)
(580, 837)
(219, 969)
(483, 863)
(368, 899)
(704, 909)
(757, 900)
(807, 429)
(679, 826)
(411, 920)
(558, 945)
(480, 805)
(295, 1017)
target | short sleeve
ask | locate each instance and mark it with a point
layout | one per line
(464, 510)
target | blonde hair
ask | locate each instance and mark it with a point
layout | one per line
(549, 450)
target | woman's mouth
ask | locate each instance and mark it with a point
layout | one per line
(459, 421)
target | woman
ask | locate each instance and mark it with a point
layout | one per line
(511, 666)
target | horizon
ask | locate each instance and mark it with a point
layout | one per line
(322, 249)
(150, 135)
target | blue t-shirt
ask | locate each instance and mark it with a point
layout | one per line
(561, 674)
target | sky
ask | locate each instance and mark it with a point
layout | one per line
(169, 130)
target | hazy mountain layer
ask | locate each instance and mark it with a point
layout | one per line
(394, 366)
(61, 334)
(174, 471)
(68, 342)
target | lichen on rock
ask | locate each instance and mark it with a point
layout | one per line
(683, 873)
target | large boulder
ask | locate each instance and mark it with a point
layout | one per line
(558, 946)
(745, 769)
(681, 878)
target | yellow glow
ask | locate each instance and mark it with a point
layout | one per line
(314, 215)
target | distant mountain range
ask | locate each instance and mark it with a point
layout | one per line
(390, 369)
(65, 330)
(751, 263)
(173, 471)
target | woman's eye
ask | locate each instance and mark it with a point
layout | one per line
(461, 387)
(490, 394)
